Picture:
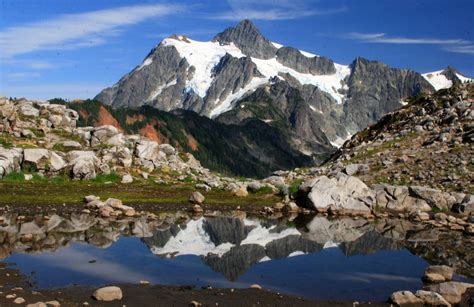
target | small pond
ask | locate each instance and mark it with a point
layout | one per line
(309, 256)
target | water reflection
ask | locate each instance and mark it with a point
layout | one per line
(311, 256)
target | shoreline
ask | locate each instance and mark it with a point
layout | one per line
(155, 295)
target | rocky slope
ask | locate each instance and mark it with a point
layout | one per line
(312, 101)
(428, 142)
(252, 149)
(42, 138)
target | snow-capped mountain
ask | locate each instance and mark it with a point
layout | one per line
(240, 75)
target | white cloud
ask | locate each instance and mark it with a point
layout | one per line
(455, 45)
(23, 75)
(467, 49)
(273, 10)
(50, 90)
(73, 31)
(384, 39)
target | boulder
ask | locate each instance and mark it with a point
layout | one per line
(196, 198)
(10, 160)
(276, 181)
(116, 140)
(84, 169)
(167, 149)
(69, 144)
(108, 294)
(405, 298)
(147, 150)
(197, 209)
(434, 198)
(254, 186)
(90, 198)
(431, 298)
(352, 169)
(127, 178)
(452, 291)
(342, 195)
(84, 164)
(290, 207)
(19, 300)
(444, 271)
(57, 162)
(28, 110)
(37, 157)
(241, 192)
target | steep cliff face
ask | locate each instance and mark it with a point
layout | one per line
(376, 89)
(248, 39)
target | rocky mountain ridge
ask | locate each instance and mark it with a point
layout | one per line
(240, 74)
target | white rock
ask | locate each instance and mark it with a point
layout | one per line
(127, 178)
(108, 294)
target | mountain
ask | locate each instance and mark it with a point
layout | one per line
(312, 102)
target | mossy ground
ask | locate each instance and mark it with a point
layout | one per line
(58, 190)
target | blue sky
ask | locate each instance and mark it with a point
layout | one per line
(75, 48)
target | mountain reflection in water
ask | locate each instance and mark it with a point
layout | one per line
(310, 256)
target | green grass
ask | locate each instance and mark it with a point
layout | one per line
(264, 190)
(61, 190)
(102, 178)
(14, 177)
(6, 141)
(294, 186)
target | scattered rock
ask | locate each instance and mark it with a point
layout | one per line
(255, 286)
(442, 271)
(90, 198)
(197, 198)
(431, 298)
(452, 291)
(19, 300)
(127, 178)
(197, 209)
(108, 294)
(405, 298)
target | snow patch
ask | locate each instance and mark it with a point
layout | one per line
(277, 45)
(262, 236)
(338, 142)
(264, 259)
(160, 89)
(226, 104)
(192, 240)
(438, 80)
(315, 110)
(296, 253)
(327, 83)
(203, 56)
(147, 62)
(330, 244)
(464, 79)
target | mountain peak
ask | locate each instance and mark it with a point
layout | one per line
(248, 38)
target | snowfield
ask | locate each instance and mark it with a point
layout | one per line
(439, 81)
(204, 56)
